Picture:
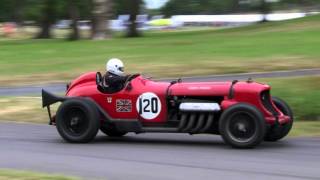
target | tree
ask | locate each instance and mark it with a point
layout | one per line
(120, 7)
(264, 9)
(101, 11)
(305, 5)
(12, 10)
(48, 13)
(134, 7)
(197, 7)
(235, 6)
(18, 11)
(74, 15)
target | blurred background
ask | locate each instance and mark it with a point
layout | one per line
(50, 42)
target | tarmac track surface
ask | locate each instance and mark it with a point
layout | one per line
(156, 156)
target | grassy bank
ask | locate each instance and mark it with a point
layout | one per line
(302, 94)
(305, 128)
(285, 45)
(6, 174)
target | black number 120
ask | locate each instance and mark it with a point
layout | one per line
(148, 105)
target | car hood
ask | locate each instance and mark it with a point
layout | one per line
(213, 88)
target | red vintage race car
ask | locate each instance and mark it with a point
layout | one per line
(243, 113)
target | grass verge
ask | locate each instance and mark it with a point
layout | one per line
(301, 93)
(6, 174)
(284, 45)
(24, 109)
(305, 128)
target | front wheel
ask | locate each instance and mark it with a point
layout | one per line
(242, 126)
(276, 133)
(77, 121)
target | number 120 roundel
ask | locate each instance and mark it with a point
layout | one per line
(243, 113)
(148, 105)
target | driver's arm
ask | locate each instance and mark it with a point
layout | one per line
(116, 80)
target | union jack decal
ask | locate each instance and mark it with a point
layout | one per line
(123, 105)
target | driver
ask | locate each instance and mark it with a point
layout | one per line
(114, 78)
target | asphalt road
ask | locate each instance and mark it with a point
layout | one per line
(156, 156)
(60, 88)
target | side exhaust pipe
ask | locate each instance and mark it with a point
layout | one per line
(191, 123)
(200, 123)
(183, 122)
(208, 123)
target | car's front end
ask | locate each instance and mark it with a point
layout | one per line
(259, 95)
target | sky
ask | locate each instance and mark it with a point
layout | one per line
(153, 4)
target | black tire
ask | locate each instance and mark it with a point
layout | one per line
(242, 126)
(111, 131)
(77, 121)
(276, 133)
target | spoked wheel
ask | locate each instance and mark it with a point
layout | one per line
(242, 126)
(112, 131)
(278, 132)
(77, 121)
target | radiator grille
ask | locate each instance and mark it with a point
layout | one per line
(266, 101)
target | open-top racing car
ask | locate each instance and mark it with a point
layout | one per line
(243, 113)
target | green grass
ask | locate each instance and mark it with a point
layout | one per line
(284, 45)
(305, 128)
(301, 93)
(6, 174)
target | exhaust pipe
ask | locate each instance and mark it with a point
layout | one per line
(190, 123)
(183, 121)
(199, 124)
(208, 123)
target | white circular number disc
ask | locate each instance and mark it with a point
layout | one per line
(148, 105)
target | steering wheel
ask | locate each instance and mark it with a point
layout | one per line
(130, 78)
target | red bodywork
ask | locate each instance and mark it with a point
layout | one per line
(244, 92)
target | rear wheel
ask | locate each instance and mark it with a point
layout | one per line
(242, 126)
(77, 121)
(276, 133)
(112, 131)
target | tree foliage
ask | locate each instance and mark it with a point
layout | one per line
(73, 10)
(47, 19)
(101, 12)
(134, 10)
(174, 7)
(125, 6)
(197, 7)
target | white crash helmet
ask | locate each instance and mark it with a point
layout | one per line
(115, 66)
